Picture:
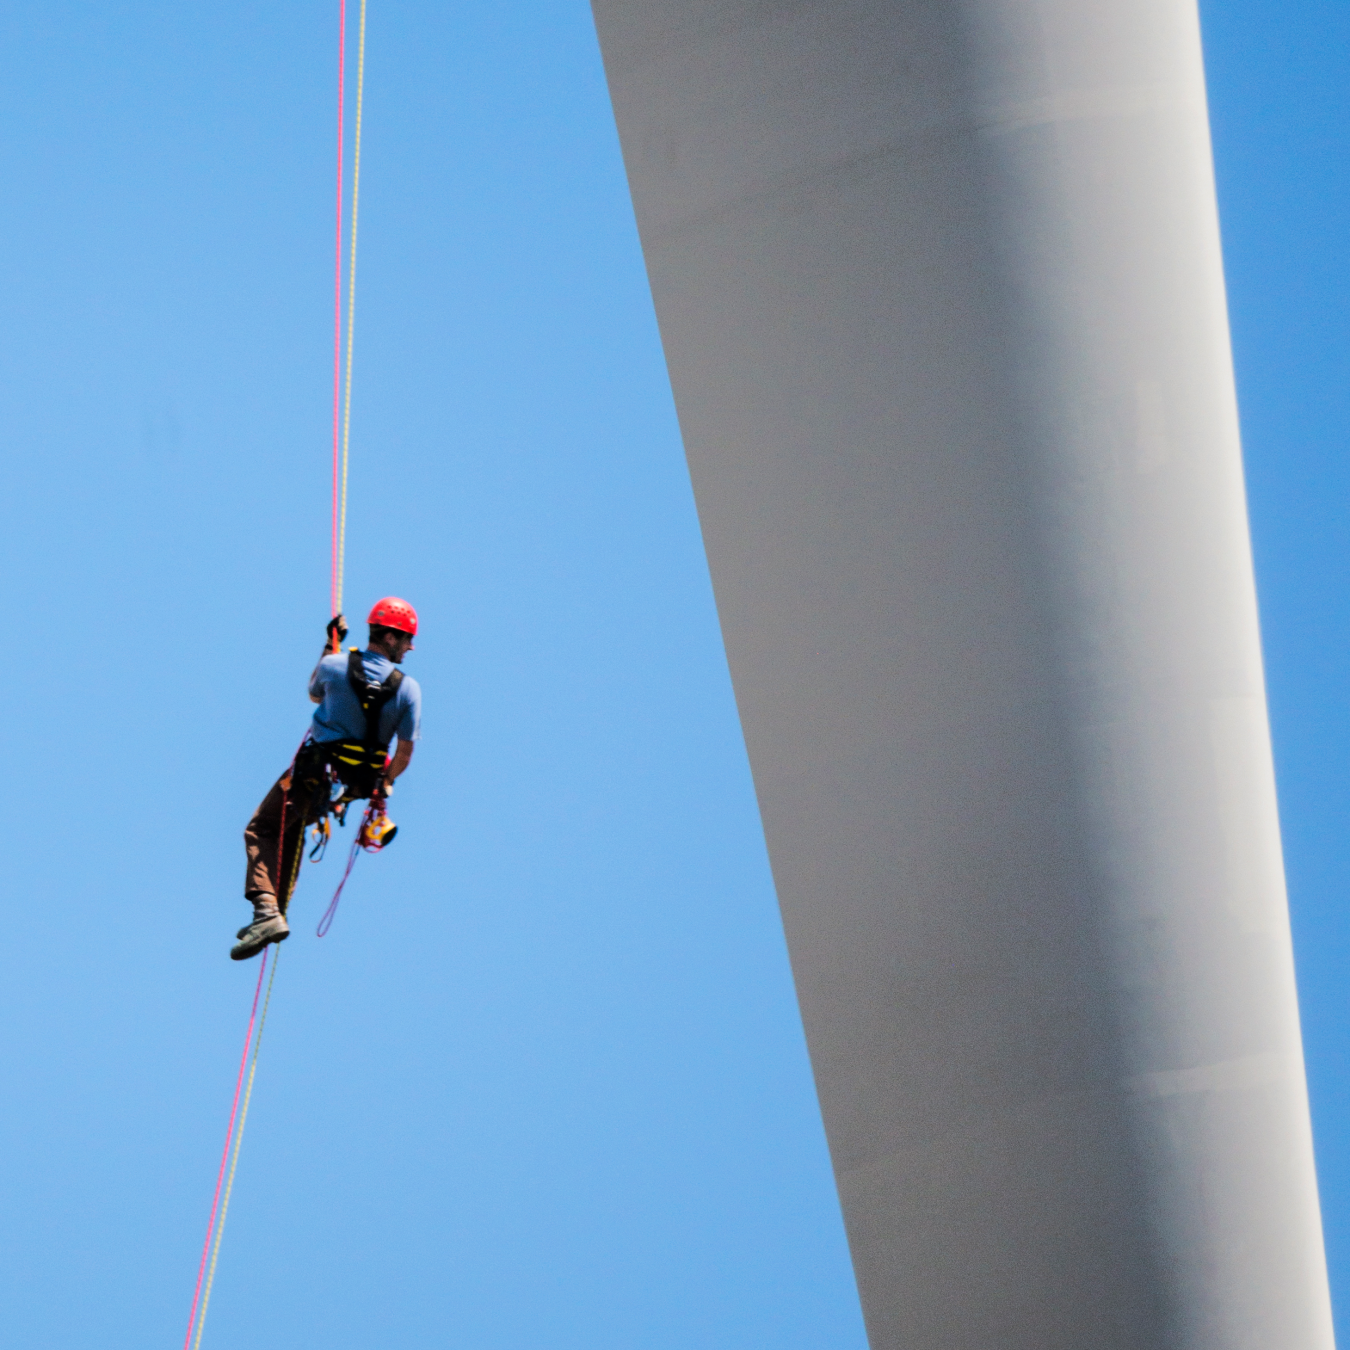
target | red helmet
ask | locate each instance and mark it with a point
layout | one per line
(391, 612)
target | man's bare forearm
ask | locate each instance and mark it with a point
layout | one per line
(402, 755)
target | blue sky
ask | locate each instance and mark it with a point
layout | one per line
(544, 1084)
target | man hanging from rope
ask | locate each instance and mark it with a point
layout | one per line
(364, 700)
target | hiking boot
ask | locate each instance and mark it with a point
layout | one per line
(264, 907)
(258, 934)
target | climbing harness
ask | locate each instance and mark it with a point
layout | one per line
(325, 777)
(333, 774)
(362, 762)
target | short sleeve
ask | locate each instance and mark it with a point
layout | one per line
(323, 672)
(409, 726)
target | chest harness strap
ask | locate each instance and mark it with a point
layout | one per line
(359, 763)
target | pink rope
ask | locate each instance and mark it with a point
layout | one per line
(337, 300)
(333, 598)
(331, 912)
(224, 1157)
(283, 878)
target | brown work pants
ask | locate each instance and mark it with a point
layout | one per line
(268, 874)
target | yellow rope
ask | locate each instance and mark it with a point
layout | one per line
(351, 306)
(342, 544)
(238, 1139)
(288, 889)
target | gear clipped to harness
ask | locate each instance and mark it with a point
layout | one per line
(377, 830)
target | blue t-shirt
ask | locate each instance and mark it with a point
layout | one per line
(339, 716)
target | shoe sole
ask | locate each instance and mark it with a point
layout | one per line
(237, 955)
(245, 929)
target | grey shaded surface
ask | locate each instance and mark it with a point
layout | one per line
(940, 290)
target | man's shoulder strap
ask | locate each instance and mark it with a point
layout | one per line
(372, 699)
(356, 673)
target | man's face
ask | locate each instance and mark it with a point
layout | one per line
(397, 646)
